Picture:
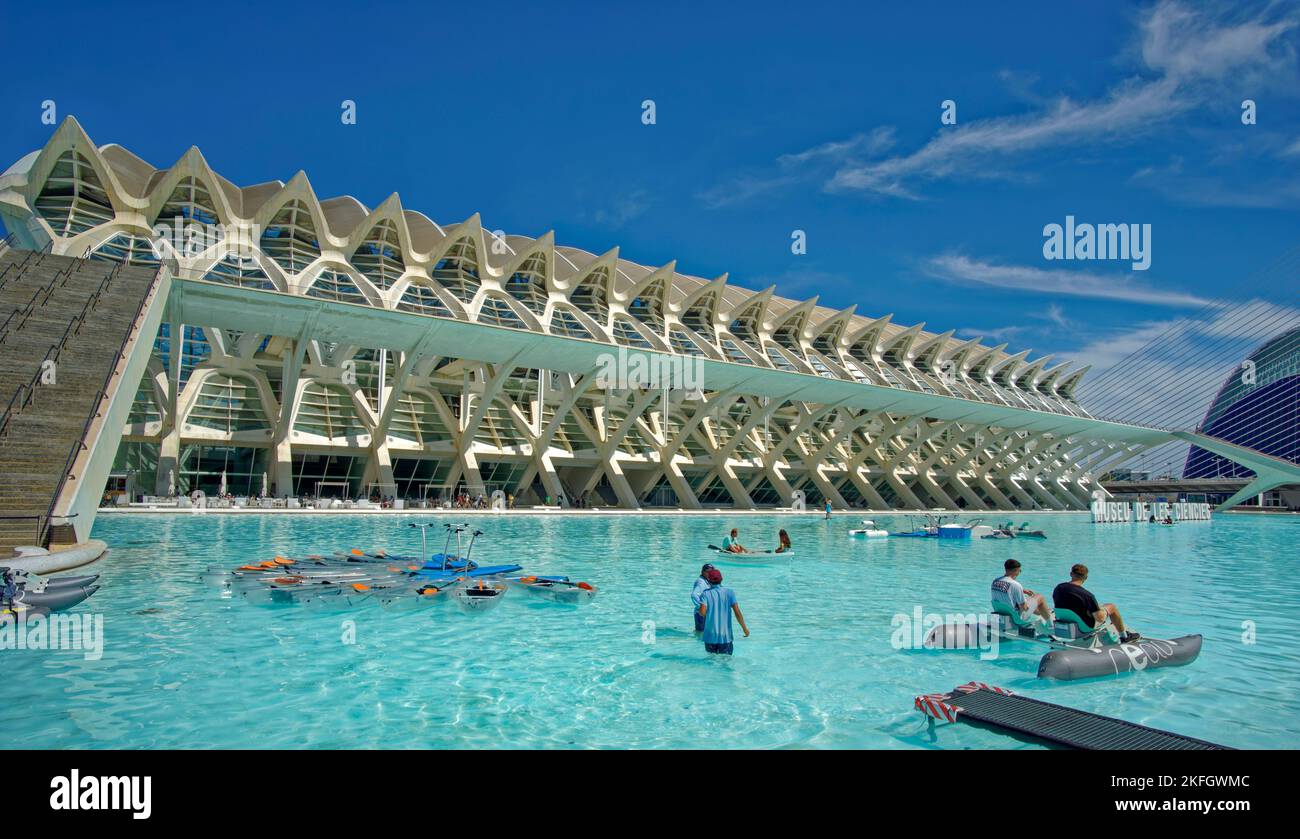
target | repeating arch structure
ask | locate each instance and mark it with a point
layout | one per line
(407, 421)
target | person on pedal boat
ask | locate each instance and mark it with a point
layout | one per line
(1008, 592)
(716, 607)
(785, 545)
(697, 593)
(1073, 596)
(731, 545)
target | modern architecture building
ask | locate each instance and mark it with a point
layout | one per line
(1258, 407)
(323, 346)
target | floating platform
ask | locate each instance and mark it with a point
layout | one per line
(999, 709)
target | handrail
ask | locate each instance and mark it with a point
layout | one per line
(27, 390)
(29, 309)
(17, 267)
(92, 302)
(39, 518)
(102, 393)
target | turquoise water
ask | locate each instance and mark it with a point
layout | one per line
(183, 667)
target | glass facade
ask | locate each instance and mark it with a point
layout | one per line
(1258, 407)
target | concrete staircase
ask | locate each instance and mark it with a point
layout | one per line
(77, 314)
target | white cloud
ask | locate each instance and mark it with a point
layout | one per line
(1186, 53)
(1056, 315)
(797, 167)
(997, 335)
(623, 208)
(875, 142)
(963, 270)
(742, 188)
(1107, 349)
(1186, 44)
(1217, 190)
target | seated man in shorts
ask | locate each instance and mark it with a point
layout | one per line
(1008, 592)
(1073, 596)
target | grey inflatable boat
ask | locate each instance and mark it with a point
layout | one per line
(57, 599)
(1077, 651)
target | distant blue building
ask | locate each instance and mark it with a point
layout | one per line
(1258, 407)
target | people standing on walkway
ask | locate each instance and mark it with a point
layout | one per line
(828, 509)
(717, 604)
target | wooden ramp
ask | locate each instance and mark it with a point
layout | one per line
(999, 709)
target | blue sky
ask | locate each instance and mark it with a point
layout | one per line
(771, 117)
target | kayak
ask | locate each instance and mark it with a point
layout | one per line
(447, 562)
(559, 590)
(734, 555)
(356, 577)
(478, 571)
(479, 595)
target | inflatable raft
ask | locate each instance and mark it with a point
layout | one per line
(56, 599)
(1077, 651)
(557, 589)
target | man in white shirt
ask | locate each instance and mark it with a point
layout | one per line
(1009, 592)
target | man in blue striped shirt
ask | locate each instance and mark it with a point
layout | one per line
(716, 605)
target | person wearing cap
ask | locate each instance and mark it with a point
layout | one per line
(1008, 591)
(1073, 596)
(697, 593)
(716, 605)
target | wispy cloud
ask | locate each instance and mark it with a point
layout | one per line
(798, 167)
(962, 270)
(622, 209)
(996, 335)
(1056, 314)
(1105, 350)
(1203, 189)
(1186, 55)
